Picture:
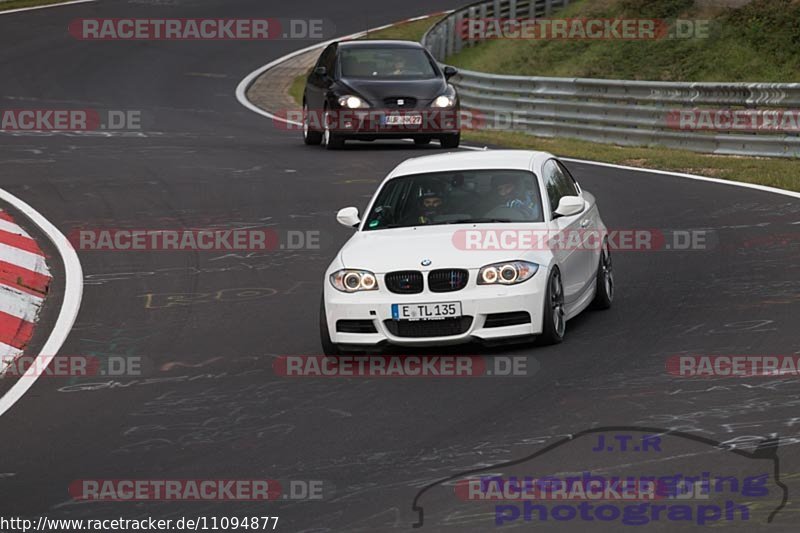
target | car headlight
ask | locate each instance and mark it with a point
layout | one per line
(348, 280)
(508, 273)
(352, 102)
(444, 100)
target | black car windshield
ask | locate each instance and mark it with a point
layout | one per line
(388, 63)
(457, 197)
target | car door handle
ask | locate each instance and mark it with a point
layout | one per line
(585, 222)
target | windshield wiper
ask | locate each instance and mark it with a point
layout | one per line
(458, 221)
(386, 226)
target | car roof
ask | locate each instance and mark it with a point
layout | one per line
(473, 160)
(379, 43)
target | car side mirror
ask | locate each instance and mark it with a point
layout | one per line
(348, 216)
(320, 71)
(449, 72)
(570, 205)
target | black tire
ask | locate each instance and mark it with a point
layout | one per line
(553, 320)
(331, 140)
(604, 288)
(310, 137)
(451, 141)
(422, 141)
(328, 347)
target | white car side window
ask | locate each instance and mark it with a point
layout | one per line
(557, 183)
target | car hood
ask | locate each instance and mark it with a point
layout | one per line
(382, 251)
(376, 90)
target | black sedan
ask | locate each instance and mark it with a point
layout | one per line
(367, 90)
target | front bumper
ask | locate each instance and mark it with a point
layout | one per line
(372, 123)
(477, 301)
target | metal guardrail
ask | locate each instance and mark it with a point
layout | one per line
(609, 111)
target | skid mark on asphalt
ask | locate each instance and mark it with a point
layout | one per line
(273, 264)
(163, 300)
(206, 75)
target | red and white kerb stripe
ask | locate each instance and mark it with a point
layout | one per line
(24, 279)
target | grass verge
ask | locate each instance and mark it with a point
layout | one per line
(296, 89)
(405, 31)
(757, 42)
(781, 173)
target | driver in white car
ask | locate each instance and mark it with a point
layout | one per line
(430, 205)
(510, 192)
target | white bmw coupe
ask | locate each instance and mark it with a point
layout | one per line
(486, 246)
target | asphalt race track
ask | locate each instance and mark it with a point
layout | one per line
(218, 410)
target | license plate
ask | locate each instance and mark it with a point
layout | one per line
(438, 311)
(403, 120)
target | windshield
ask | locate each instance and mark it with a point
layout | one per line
(390, 63)
(457, 197)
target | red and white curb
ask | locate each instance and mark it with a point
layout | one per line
(24, 280)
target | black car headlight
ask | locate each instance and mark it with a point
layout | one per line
(350, 280)
(352, 102)
(444, 100)
(506, 273)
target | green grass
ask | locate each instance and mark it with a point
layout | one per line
(15, 4)
(297, 87)
(781, 173)
(407, 31)
(757, 42)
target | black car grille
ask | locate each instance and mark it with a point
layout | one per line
(429, 328)
(392, 102)
(500, 320)
(355, 326)
(404, 281)
(447, 280)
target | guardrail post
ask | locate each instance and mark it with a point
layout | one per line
(615, 111)
(532, 8)
(432, 44)
(466, 31)
(449, 36)
(458, 40)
